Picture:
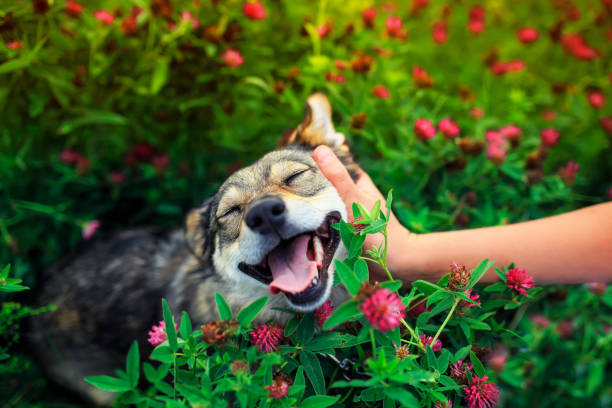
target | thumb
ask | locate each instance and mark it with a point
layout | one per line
(334, 170)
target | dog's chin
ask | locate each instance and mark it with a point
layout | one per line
(312, 288)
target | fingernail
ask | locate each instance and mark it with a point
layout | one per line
(323, 154)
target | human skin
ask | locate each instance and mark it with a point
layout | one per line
(575, 247)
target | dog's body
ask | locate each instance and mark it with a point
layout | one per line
(265, 232)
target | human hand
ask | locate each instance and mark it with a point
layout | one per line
(363, 191)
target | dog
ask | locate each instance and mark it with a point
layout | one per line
(266, 231)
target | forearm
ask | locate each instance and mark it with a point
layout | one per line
(570, 248)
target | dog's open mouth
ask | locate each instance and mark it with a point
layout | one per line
(298, 266)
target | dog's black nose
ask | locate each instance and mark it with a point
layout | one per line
(266, 214)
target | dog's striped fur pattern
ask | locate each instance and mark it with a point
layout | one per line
(109, 294)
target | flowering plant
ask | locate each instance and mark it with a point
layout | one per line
(370, 349)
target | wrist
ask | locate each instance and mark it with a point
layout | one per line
(410, 261)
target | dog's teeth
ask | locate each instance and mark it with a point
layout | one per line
(319, 252)
(314, 281)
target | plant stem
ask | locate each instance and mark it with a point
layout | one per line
(373, 343)
(174, 379)
(413, 334)
(383, 262)
(450, 313)
(410, 342)
(365, 258)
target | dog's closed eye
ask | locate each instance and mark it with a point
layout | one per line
(232, 211)
(292, 178)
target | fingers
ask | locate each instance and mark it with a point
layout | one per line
(334, 170)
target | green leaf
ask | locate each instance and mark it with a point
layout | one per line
(393, 286)
(246, 315)
(299, 383)
(513, 378)
(191, 393)
(132, 365)
(422, 319)
(388, 203)
(352, 383)
(477, 325)
(14, 65)
(347, 277)
(466, 330)
(154, 375)
(478, 367)
(224, 310)
(448, 382)
(92, 117)
(446, 304)
(312, 368)
(438, 296)
(607, 299)
(306, 328)
(326, 341)
(407, 300)
(291, 325)
(361, 270)
(107, 383)
(160, 74)
(426, 287)
(185, 329)
(346, 233)
(513, 172)
(595, 377)
(432, 361)
(443, 360)
(10, 287)
(512, 305)
(496, 287)
(5, 271)
(319, 401)
(500, 273)
(344, 312)
(258, 83)
(402, 396)
(374, 227)
(164, 387)
(372, 394)
(356, 244)
(162, 353)
(388, 402)
(462, 352)
(375, 210)
(414, 377)
(479, 272)
(359, 211)
(195, 103)
(257, 390)
(463, 296)
(169, 329)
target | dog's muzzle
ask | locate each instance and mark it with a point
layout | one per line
(297, 266)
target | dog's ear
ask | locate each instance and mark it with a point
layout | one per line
(199, 231)
(317, 127)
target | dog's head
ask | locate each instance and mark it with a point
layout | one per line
(268, 227)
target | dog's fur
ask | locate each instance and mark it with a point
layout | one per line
(109, 294)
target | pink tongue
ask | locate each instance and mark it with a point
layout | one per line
(291, 269)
